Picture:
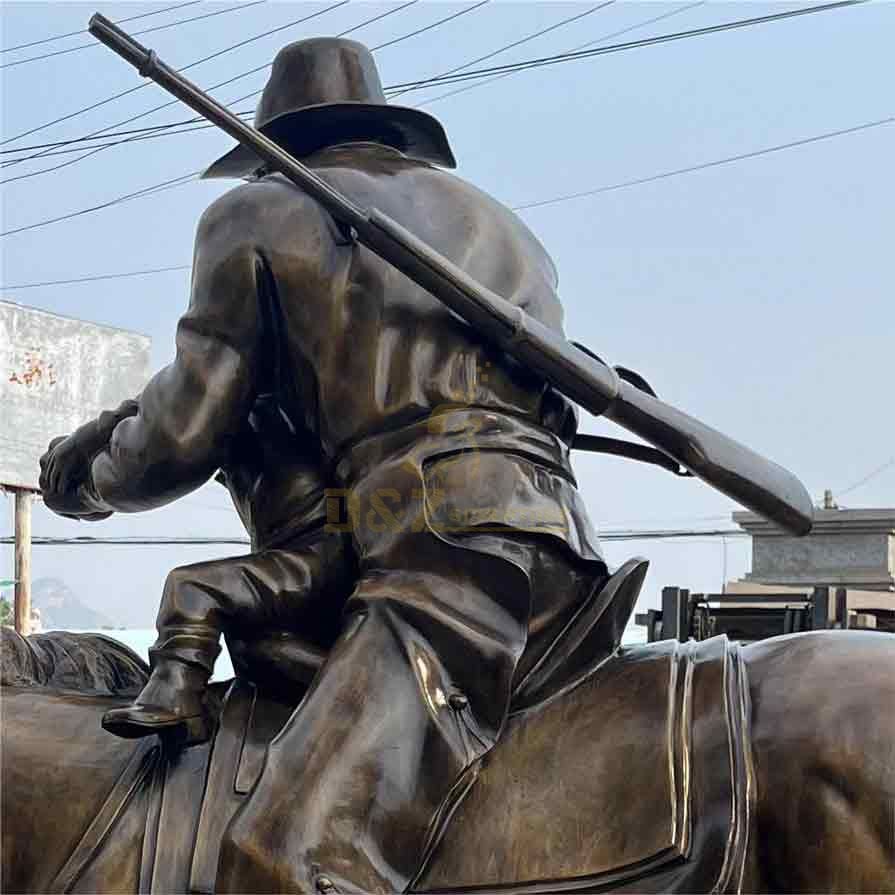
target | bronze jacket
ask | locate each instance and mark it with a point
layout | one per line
(283, 301)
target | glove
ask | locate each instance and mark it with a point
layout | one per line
(64, 473)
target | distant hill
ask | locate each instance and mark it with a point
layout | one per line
(60, 607)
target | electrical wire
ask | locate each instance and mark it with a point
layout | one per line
(392, 95)
(105, 276)
(94, 150)
(867, 478)
(142, 132)
(162, 129)
(146, 83)
(164, 105)
(520, 66)
(590, 43)
(73, 140)
(143, 136)
(555, 200)
(629, 45)
(522, 40)
(96, 134)
(403, 37)
(149, 190)
(705, 165)
(187, 121)
(143, 15)
(91, 44)
(150, 136)
(162, 540)
(449, 18)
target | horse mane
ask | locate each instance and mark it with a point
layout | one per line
(62, 660)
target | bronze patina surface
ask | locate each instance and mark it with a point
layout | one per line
(473, 547)
(430, 691)
(674, 768)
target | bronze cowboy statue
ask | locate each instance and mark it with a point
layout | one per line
(430, 689)
(420, 421)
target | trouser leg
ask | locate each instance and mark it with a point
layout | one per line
(182, 660)
(342, 774)
(276, 589)
(414, 691)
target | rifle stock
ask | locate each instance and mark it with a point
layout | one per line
(733, 469)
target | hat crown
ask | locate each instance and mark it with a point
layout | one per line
(324, 91)
(318, 71)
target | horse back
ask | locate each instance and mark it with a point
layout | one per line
(638, 779)
(59, 769)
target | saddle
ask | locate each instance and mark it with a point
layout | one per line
(620, 769)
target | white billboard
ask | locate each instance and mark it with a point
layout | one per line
(55, 374)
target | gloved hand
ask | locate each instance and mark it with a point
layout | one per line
(64, 471)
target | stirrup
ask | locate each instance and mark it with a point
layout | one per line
(134, 721)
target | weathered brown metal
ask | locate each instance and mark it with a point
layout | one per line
(768, 769)
(732, 468)
(481, 640)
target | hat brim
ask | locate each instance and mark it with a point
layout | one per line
(306, 130)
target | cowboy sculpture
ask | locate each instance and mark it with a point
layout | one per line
(305, 361)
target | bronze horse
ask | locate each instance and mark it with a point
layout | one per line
(660, 768)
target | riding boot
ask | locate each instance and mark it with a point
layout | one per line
(172, 702)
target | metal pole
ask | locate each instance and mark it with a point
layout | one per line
(23, 562)
(821, 609)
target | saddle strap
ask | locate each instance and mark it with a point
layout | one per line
(131, 781)
(650, 787)
(738, 706)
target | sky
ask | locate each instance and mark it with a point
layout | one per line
(756, 295)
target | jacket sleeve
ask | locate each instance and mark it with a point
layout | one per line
(94, 435)
(191, 410)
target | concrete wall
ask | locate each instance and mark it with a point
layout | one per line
(56, 373)
(850, 548)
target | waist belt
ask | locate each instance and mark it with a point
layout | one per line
(455, 431)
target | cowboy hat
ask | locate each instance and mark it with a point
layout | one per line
(324, 91)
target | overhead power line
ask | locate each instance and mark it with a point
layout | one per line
(143, 15)
(522, 40)
(348, 31)
(102, 276)
(630, 45)
(451, 17)
(867, 478)
(173, 124)
(590, 43)
(167, 541)
(164, 105)
(105, 136)
(705, 165)
(516, 43)
(141, 131)
(157, 130)
(146, 136)
(520, 66)
(108, 99)
(160, 130)
(96, 134)
(145, 191)
(95, 149)
(92, 44)
(542, 202)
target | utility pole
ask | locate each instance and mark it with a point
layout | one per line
(22, 612)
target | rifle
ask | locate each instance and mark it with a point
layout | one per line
(730, 467)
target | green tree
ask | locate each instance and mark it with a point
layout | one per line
(5, 612)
